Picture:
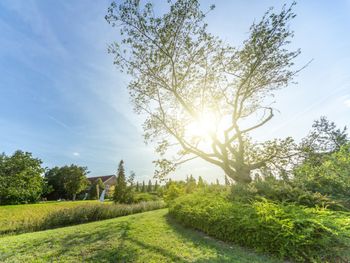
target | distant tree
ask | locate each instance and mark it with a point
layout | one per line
(324, 139)
(201, 183)
(137, 187)
(131, 179)
(21, 178)
(96, 189)
(149, 187)
(217, 182)
(143, 189)
(183, 76)
(156, 186)
(55, 179)
(190, 184)
(120, 192)
(75, 179)
(227, 181)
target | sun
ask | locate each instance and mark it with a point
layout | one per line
(207, 125)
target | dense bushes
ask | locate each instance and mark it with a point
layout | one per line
(284, 192)
(288, 231)
(330, 177)
(83, 214)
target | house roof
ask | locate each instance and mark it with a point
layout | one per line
(104, 178)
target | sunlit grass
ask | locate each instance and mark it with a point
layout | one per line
(11, 216)
(145, 237)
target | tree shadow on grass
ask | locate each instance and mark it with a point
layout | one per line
(225, 252)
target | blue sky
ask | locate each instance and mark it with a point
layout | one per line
(62, 99)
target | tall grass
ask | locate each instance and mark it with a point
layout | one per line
(81, 214)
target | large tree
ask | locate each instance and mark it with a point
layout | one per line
(199, 93)
(21, 178)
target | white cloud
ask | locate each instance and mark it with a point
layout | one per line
(76, 154)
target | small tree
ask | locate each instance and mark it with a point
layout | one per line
(190, 184)
(120, 191)
(137, 187)
(201, 183)
(149, 187)
(143, 189)
(324, 138)
(156, 186)
(96, 189)
(75, 179)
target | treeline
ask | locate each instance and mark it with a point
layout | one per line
(24, 180)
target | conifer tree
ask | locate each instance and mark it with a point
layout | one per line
(149, 187)
(156, 186)
(120, 192)
(143, 189)
(201, 183)
(137, 187)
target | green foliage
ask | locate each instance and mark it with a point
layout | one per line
(145, 197)
(96, 189)
(124, 190)
(287, 231)
(281, 191)
(66, 181)
(20, 178)
(173, 191)
(201, 183)
(330, 177)
(149, 186)
(75, 179)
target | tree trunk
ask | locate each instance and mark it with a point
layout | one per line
(74, 195)
(241, 175)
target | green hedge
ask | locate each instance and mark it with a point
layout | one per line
(287, 231)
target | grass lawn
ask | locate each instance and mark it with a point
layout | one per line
(145, 237)
(11, 216)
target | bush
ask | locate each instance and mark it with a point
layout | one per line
(83, 214)
(285, 192)
(287, 231)
(145, 197)
(330, 177)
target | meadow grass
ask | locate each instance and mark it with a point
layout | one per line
(28, 218)
(11, 216)
(144, 237)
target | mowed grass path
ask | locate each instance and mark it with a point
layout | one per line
(12, 216)
(145, 237)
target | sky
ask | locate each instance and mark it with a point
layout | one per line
(62, 98)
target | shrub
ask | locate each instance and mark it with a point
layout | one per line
(145, 197)
(330, 177)
(287, 231)
(285, 192)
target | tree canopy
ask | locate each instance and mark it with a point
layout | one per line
(67, 181)
(198, 93)
(21, 178)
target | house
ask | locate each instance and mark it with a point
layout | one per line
(107, 180)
